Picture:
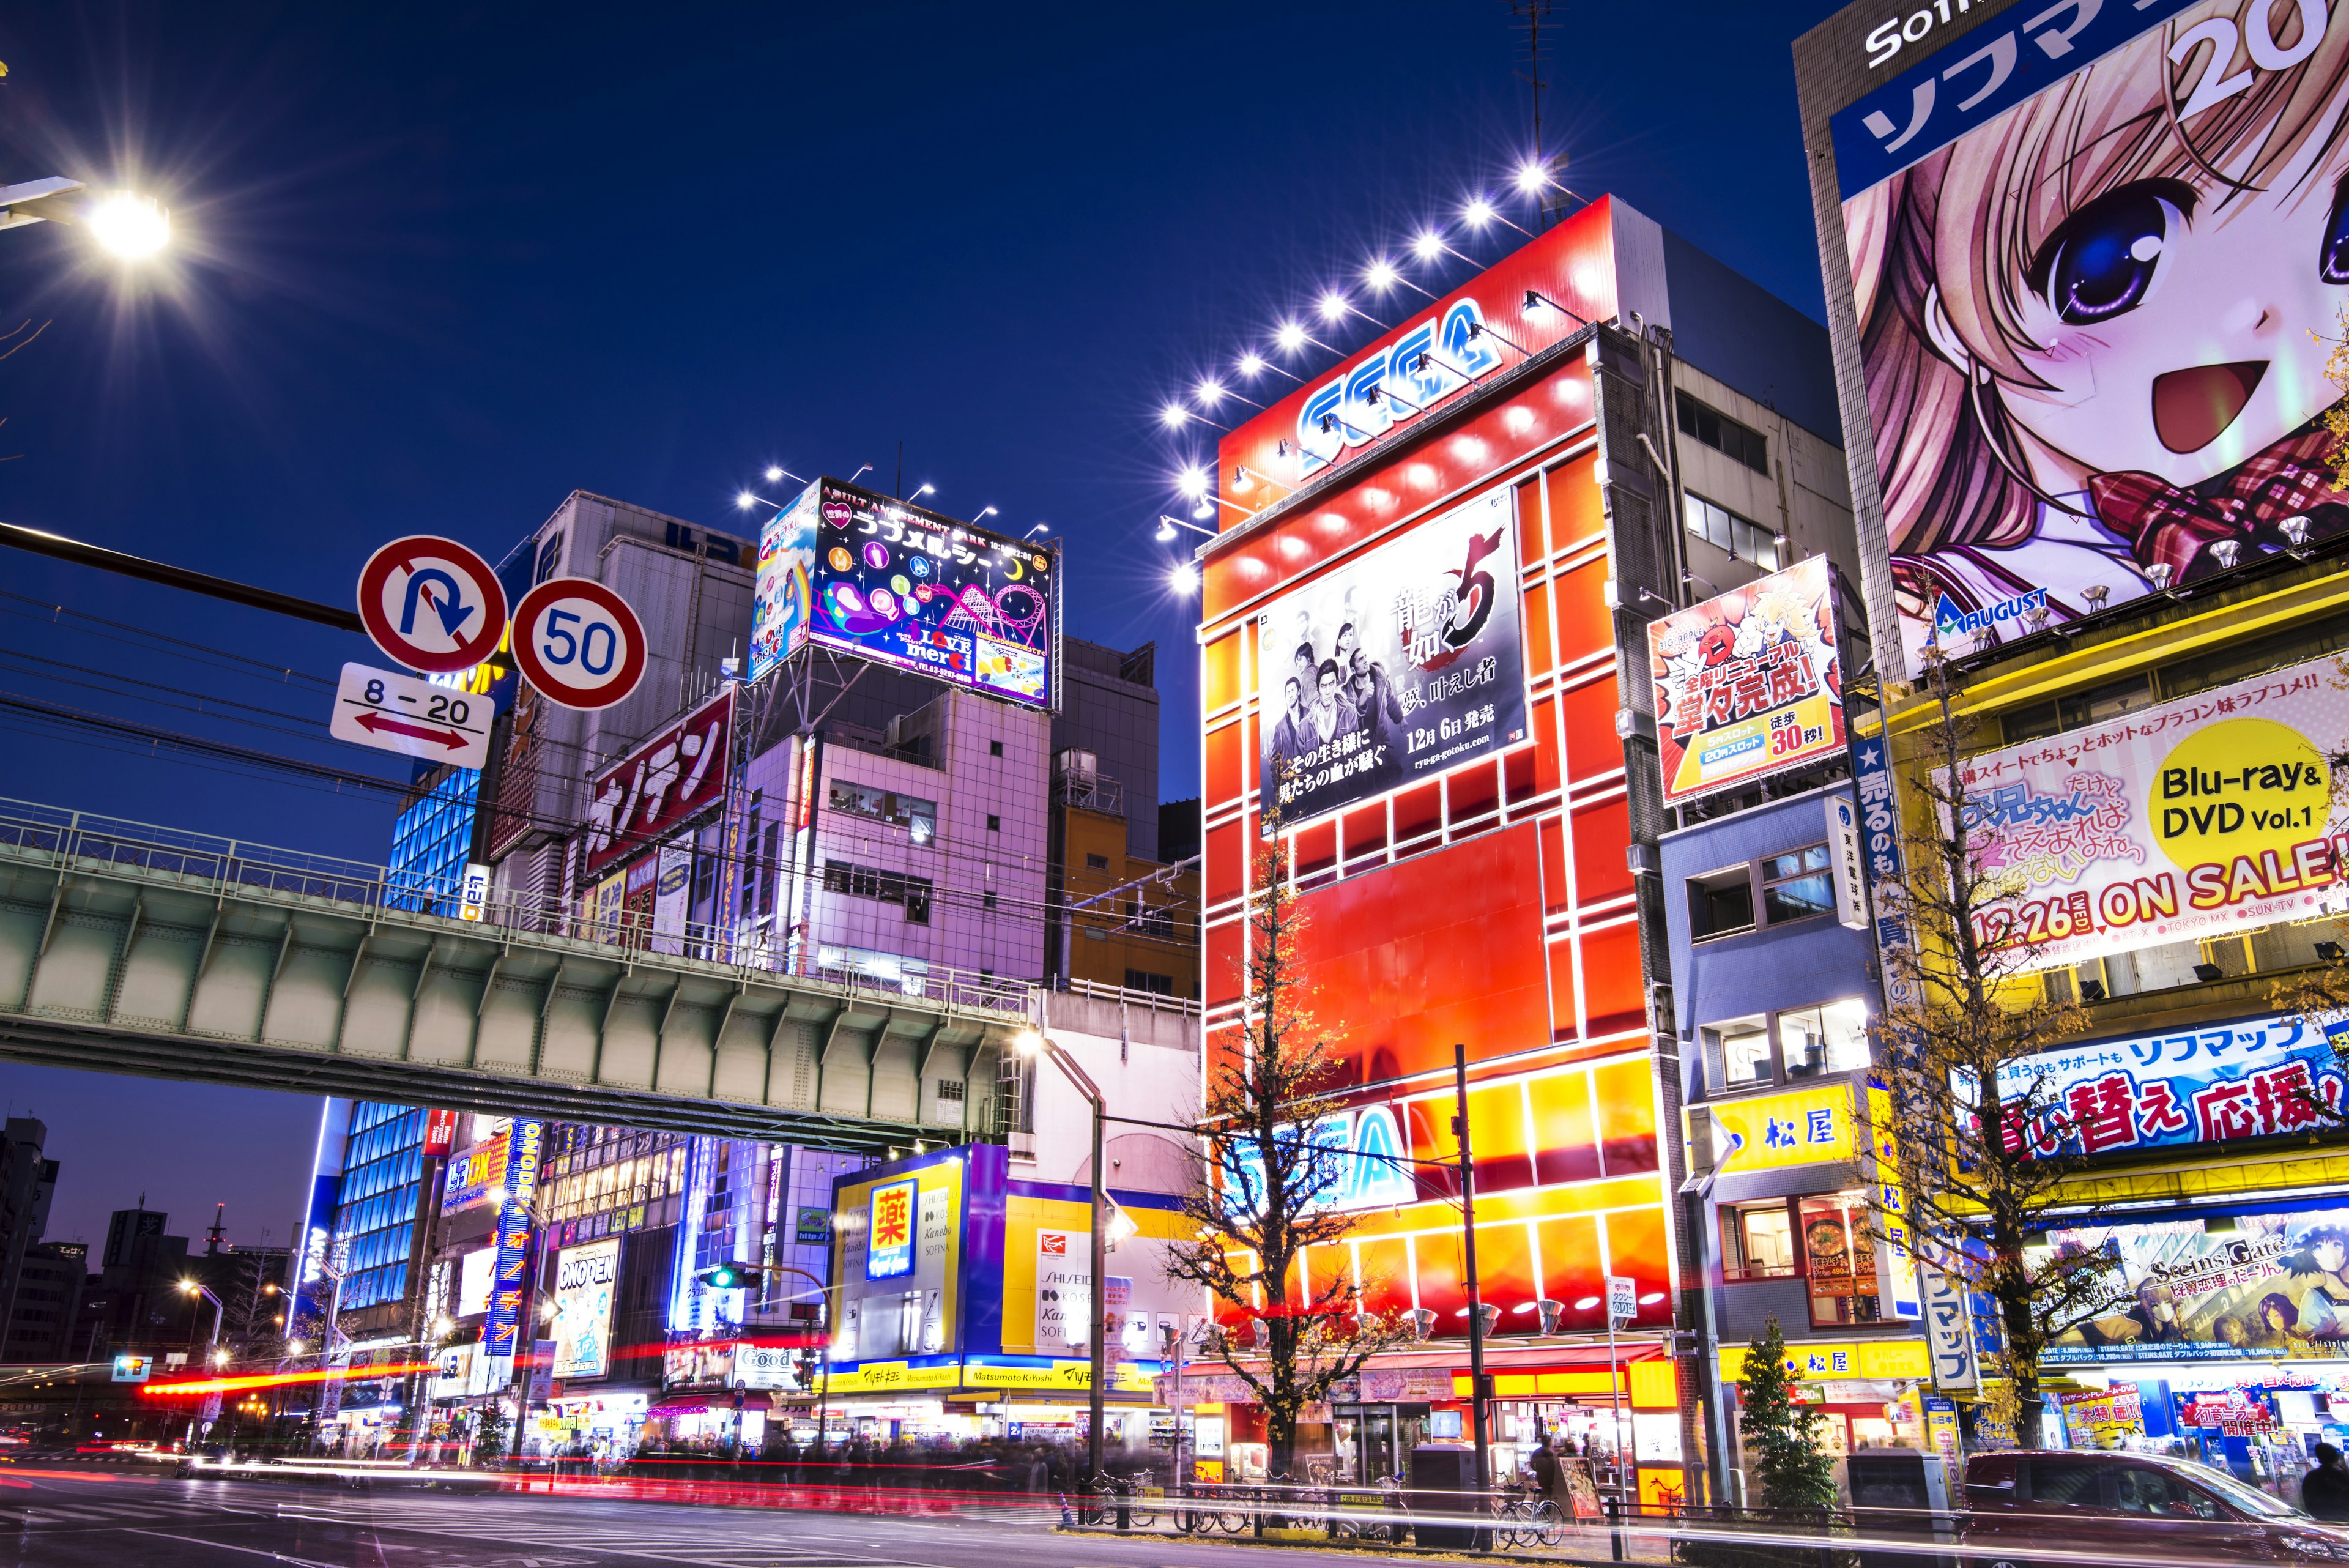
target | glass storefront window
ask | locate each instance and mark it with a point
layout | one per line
(1760, 1243)
(1838, 1259)
(1828, 1039)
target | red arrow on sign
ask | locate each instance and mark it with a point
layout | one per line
(448, 738)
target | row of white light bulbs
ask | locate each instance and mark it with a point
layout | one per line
(746, 500)
(1380, 275)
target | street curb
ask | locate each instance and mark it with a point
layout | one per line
(1430, 1553)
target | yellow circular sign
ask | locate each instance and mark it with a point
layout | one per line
(2237, 787)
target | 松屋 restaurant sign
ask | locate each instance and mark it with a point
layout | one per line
(1802, 1126)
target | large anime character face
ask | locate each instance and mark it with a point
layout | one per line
(2171, 323)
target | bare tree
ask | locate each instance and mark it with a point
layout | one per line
(1975, 1147)
(1267, 1188)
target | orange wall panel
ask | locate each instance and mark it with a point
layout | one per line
(1533, 542)
(1504, 1275)
(1573, 1271)
(1584, 625)
(1225, 778)
(1627, 1115)
(1591, 746)
(1385, 1264)
(1576, 513)
(1565, 1139)
(1565, 1023)
(1638, 1245)
(1613, 992)
(1223, 980)
(1536, 625)
(1226, 863)
(1602, 844)
(1442, 947)
(1219, 673)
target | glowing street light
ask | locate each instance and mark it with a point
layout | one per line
(1479, 212)
(1532, 176)
(1173, 415)
(1193, 483)
(984, 514)
(925, 490)
(124, 224)
(1183, 579)
(1383, 274)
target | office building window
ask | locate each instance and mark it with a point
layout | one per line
(890, 887)
(1792, 886)
(994, 823)
(1156, 984)
(919, 817)
(1723, 434)
(1741, 537)
(1787, 1046)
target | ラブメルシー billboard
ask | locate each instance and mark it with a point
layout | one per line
(860, 573)
(1747, 683)
(2094, 252)
(1396, 667)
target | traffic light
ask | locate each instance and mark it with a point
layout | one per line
(728, 1276)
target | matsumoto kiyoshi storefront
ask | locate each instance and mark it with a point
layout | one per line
(963, 1295)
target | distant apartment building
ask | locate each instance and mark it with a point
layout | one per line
(48, 1302)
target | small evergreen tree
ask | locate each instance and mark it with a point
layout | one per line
(489, 1434)
(1783, 1437)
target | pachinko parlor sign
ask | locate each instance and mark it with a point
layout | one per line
(2205, 815)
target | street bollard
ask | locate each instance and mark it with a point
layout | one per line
(1125, 1513)
(1615, 1525)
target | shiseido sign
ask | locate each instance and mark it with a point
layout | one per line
(659, 786)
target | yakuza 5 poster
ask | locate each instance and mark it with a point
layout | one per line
(1398, 668)
(1747, 683)
(2096, 252)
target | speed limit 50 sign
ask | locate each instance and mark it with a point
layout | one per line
(578, 642)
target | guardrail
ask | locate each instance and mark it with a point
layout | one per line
(89, 839)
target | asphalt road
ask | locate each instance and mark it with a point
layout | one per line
(128, 1520)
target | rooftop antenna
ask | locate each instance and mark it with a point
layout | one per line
(1529, 16)
(217, 1233)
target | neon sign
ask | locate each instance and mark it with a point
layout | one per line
(1363, 1162)
(1421, 368)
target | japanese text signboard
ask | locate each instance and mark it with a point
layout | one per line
(1747, 684)
(2191, 819)
(889, 1251)
(1769, 1132)
(2175, 1290)
(865, 575)
(659, 786)
(1402, 665)
(2064, 407)
(509, 1289)
(1947, 1330)
(2256, 1077)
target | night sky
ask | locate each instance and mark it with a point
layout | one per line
(435, 267)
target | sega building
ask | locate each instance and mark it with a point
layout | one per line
(1423, 642)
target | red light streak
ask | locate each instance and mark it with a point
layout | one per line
(280, 1379)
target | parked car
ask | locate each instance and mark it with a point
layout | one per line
(2118, 1506)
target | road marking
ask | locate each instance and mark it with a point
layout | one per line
(224, 1546)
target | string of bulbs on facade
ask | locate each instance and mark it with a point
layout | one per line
(1380, 276)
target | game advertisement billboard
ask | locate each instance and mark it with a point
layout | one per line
(2194, 818)
(586, 1282)
(783, 594)
(2096, 256)
(1748, 684)
(907, 587)
(2271, 1286)
(1397, 667)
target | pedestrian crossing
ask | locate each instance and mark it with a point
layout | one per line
(95, 1513)
(736, 1539)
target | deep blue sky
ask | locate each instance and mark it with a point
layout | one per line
(441, 265)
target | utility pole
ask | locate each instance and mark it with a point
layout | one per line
(1475, 1298)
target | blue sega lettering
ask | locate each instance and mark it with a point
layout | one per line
(1419, 369)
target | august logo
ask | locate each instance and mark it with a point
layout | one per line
(1948, 620)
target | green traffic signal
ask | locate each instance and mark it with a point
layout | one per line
(725, 1277)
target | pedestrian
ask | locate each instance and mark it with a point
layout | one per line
(2324, 1490)
(1543, 1466)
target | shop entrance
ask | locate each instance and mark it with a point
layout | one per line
(1374, 1441)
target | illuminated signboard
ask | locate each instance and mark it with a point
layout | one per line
(2272, 1285)
(2254, 1077)
(907, 587)
(889, 1248)
(440, 1132)
(2191, 819)
(474, 1175)
(1748, 683)
(659, 786)
(475, 1269)
(586, 1282)
(1404, 664)
(2064, 416)
(509, 1290)
(1765, 1132)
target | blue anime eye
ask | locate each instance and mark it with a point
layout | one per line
(2332, 257)
(2102, 261)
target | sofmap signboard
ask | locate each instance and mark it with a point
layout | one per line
(908, 588)
(2257, 1077)
(2067, 409)
(1400, 666)
(2192, 819)
(1747, 683)
(659, 786)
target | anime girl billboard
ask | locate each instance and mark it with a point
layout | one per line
(2094, 264)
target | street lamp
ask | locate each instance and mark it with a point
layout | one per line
(213, 1353)
(124, 224)
(1030, 1043)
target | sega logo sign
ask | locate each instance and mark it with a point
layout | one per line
(1420, 369)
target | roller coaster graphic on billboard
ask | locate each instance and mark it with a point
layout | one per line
(844, 568)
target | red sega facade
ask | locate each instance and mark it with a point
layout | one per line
(1493, 904)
